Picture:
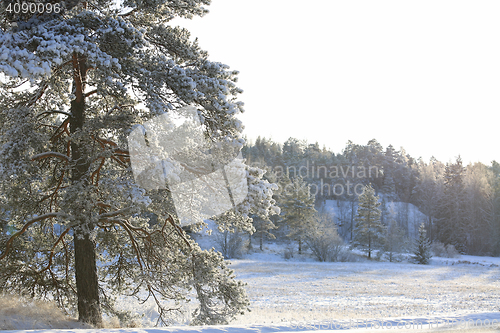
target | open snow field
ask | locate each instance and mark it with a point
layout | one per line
(309, 291)
(298, 296)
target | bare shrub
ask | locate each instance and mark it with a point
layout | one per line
(324, 240)
(325, 246)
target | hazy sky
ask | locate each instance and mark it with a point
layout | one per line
(424, 75)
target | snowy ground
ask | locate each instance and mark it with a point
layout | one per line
(298, 296)
(285, 291)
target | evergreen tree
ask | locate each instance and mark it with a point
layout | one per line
(263, 227)
(76, 222)
(478, 210)
(389, 167)
(297, 206)
(263, 204)
(389, 187)
(293, 153)
(368, 229)
(452, 226)
(495, 206)
(422, 247)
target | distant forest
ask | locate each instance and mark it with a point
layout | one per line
(460, 202)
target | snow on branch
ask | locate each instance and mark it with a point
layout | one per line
(55, 111)
(50, 154)
(115, 213)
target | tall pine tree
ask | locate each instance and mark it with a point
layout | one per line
(76, 227)
(368, 229)
(297, 207)
(452, 228)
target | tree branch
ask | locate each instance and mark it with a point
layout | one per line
(53, 248)
(91, 93)
(50, 154)
(23, 230)
(52, 112)
(101, 217)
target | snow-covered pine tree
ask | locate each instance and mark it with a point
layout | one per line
(297, 206)
(422, 247)
(265, 209)
(368, 229)
(253, 214)
(76, 227)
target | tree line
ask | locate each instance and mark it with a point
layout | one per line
(459, 203)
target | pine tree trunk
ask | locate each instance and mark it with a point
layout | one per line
(87, 285)
(300, 246)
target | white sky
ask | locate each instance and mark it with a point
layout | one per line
(424, 75)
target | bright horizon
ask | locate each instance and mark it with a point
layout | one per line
(420, 75)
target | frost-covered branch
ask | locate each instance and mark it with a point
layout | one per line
(54, 112)
(51, 154)
(29, 223)
(122, 211)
